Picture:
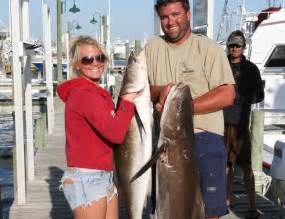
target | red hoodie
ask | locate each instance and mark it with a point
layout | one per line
(92, 125)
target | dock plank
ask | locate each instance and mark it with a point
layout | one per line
(266, 208)
(44, 199)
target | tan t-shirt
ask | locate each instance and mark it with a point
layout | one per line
(200, 63)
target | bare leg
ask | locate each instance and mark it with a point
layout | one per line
(113, 208)
(97, 210)
(230, 176)
(230, 143)
(249, 186)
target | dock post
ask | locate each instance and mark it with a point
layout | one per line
(19, 156)
(48, 66)
(1, 205)
(257, 131)
(138, 47)
(58, 41)
(40, 126)
(30, 170)
(40, 131)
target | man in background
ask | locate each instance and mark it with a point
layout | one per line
(249, 90)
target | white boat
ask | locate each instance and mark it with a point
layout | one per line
(120, 49)
(267, 50)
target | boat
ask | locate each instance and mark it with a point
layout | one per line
(266, 48)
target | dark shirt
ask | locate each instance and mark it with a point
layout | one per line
(249, 90)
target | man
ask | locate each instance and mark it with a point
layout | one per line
(181, 56)
(249, 90)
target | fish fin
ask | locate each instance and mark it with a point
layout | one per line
(140, 124)
(151, 162)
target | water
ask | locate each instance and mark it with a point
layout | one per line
(6, 134)
(6, 163)
(6, 179)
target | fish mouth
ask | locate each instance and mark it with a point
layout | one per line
(129, 90)
(181, 86)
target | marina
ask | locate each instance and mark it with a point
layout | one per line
(32, 141)
(44, 200)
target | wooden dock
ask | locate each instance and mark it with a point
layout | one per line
(44, 200)
(266, 208)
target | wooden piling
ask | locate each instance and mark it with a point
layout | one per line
(257, 132)
(40, 131)
(1, 205)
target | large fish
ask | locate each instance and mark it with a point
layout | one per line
(137, 147)
(178, 188)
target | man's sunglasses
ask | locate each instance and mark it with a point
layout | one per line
(88, 60)
(234, 45)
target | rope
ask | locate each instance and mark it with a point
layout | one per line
(263, 180)
(280, 192)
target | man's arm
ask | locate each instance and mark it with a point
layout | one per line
(259, 89)
(215, 99)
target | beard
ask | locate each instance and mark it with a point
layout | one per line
(177, 36)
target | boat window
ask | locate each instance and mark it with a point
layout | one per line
(277, 57)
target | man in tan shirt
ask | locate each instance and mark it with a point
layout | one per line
(181, 56)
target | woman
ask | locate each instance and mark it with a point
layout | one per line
(92, 127)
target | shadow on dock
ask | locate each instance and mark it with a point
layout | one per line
(59, 205)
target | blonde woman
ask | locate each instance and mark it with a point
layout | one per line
(92, 127)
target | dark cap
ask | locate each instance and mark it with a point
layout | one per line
(237, 38)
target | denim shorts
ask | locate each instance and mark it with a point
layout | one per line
(81, 187)
(212, 160)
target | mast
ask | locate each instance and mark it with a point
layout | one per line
(210, 16)
(203, 13)
(223, 20)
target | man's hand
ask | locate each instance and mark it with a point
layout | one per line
(159, 95)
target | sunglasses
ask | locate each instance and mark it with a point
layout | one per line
(234, 45)
(88, 60)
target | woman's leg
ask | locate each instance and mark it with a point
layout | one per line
(113, 208)
(96, 210)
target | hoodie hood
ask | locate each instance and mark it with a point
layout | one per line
(65, 88)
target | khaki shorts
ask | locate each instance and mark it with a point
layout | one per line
(238, 145)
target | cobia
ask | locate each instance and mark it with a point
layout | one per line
(178, 189)
(137, 147)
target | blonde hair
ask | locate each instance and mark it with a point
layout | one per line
(75, 48)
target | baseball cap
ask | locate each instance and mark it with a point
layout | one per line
(237, 38)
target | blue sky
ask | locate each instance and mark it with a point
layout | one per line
(130, 19)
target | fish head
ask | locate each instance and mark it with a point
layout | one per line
(135, 78)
